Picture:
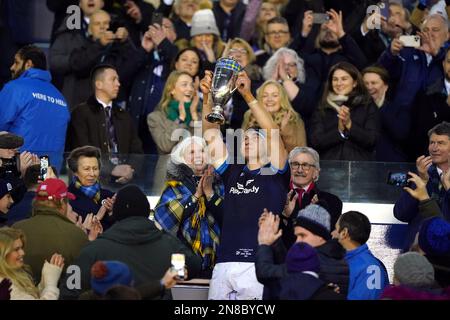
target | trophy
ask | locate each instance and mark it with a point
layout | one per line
(223, 86)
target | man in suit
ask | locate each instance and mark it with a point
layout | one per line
(305, 169)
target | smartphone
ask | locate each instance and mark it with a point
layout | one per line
(44, 161)
(398, 179)
(157, 17)
(320, 18)
(178, 264)
(410, 41)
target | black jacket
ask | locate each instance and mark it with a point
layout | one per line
(233, 28)
(88, 127)
(270, 267)
(301, 286)
(362, 137)
(137, 242)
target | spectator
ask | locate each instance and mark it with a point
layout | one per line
(276, 35)
(312, 226)
(274, 98)
(184, 11)
(331, 46)
(395, 119)
(6, 200)
(12, 267)
(286, 67)
(429, 169)
(178, 109)
(255, 21)
(415, 69)
(30, 102)
(229, 14)
(85, 164)
(148, 84)
(190, 206)
(50, 229)
(414, 280)
(241, 51)
(302, 281)
(372, 40)
(189, 60)
(205, 37)
(249, 188)
(134, 240)
(434, 245)
(345, 126)
(100, 122)
(304, 163)
(74, 54)
(368, 275)
(22, 210)
(430, 108)
(59, 8)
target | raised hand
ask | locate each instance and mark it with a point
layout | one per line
(291, 201)
(157, 33)
(133, 11)
(396, 46)
(269, 231)
(121, 34)
(420, 193)
(422, 165)
(147, 42)
(335, 23)
(206, 83)
(307, 23)
(345, 122)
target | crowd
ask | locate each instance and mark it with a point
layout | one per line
(333, 80)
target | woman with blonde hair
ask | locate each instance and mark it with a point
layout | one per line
(12, 267)
(274, 98)
(178, 109)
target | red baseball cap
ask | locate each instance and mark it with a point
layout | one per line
(55, 189)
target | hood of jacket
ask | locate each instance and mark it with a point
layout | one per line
(38, 74)
(133, 231)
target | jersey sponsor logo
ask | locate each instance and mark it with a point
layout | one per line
(240, 189)
(244, 252)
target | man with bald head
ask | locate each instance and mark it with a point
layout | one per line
(413, 69)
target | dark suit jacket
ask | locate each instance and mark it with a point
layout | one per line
(328, 200)
(88, 127)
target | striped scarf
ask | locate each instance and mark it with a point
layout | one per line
(92, 192)
(200, 230)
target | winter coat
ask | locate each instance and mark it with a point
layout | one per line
(402, 292)
(29, 104)
(196, 222)
(406, 208)
(359, 145)
(270, 267)
(303, 286)
(365, 269)
(137, 242)
(49, 232)
(88, 127)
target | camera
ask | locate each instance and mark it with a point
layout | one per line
(320, 18)
(398, 179)
(11, 166)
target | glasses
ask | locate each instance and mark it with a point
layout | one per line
(278, 33)
(241, 51)
(305, 166)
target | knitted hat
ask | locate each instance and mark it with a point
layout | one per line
(107, 274)
(414, 270)
(302, 257)
(434, 237)
(130, 202)
(203, 22)
(5, 188)
(315, 219)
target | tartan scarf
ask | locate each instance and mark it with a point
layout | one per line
(92, 192)
(200, 229)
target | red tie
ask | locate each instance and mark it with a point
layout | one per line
(300, 192)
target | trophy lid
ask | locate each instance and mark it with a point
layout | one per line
(229, 63)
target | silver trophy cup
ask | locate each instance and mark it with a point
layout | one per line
(223, 86)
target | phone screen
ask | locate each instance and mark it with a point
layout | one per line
(178, 264)
(398, 179)
(44, 167)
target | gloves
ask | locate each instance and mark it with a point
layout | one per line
(50, 275)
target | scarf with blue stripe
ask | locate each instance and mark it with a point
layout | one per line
(92, 192)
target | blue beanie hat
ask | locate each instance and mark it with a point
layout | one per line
(107, 274)
(434, 237)
(302, 257)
